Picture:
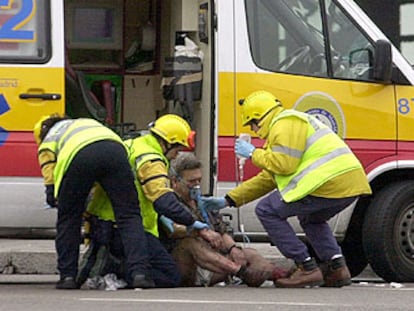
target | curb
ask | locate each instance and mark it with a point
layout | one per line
(26, 256)
(38, 257)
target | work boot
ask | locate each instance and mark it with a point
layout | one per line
(336, 273)
(307, 274)
(142, 281)
(67, 282)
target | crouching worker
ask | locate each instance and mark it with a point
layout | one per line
(150, 156)
(200, 263)
(317, 176)
(73, 155)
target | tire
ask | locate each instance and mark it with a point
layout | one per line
(352, 247)
(388, 233)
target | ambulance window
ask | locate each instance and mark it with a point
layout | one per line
(351, 52)
(407, 31)
(287, 36)
(25, 31)
(292, 35)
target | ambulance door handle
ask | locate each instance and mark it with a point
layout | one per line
(41, 96)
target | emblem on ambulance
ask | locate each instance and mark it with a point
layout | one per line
(4, 107)
(325, 108)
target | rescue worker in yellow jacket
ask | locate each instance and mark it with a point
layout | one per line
(150, 157)
(316, 176)
(73, 155)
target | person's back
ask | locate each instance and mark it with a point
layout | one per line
(66, 138)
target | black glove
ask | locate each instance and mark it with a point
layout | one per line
(50, 196)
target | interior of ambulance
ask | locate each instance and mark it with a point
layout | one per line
(128, 62)
(118, 53)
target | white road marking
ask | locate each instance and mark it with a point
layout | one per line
(185, 301)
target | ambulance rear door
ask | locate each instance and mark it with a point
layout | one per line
(31, 77)
(31, 85)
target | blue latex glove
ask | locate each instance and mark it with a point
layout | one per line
(197, 225)
(243, 148)
(212, 203)
(168, 223)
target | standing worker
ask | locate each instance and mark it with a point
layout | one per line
(316, 176)
(73, 155)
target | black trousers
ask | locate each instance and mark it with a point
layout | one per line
(164, 269)
(104, 162)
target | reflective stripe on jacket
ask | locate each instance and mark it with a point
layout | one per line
(325, 157)
(67, 137)
(142, 150)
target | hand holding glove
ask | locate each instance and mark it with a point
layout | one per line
(50, 196)
(243, 149)
(212, 203)
(167, 222)
(197, 225)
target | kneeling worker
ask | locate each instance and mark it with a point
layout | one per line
(150, 156)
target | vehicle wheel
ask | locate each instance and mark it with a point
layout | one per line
(352, 246)
(388, 233)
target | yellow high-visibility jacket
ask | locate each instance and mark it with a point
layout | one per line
(63, 141)
(153, 186)
(301, 157)
(151, 168)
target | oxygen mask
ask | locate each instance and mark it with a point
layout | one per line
(195, 193)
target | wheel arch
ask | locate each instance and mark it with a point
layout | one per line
(352, 239)
(379, 178)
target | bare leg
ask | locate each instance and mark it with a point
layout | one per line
(192, 252)
(186, 264)
(261, 266)
(258, 262)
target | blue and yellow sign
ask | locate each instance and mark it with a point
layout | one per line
(4, 108)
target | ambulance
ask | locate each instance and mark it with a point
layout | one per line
(126, 62)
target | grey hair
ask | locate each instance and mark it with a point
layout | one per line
(184, 161)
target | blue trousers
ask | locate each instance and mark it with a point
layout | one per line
(313, 214)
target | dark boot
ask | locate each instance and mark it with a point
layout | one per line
(142, 281)
(336, 273)
(307, 274)
(67, 282)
